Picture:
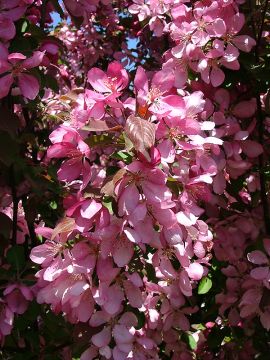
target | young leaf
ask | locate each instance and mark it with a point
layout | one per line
(142, 134)
(204, 285)
(24, 26)
(108, 188)
(65, 226)
(72, 95)
(189, 340)
(98, 125)
(123, 156)
(99, 140)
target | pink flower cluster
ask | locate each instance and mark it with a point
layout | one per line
(206, 36)
(97, 263)
(16, 300)
(149, 160)
(14, 67)
(246, 285)
(96, 257)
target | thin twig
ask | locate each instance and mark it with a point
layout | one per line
(259, 37)
(15, 206)
(43, 14)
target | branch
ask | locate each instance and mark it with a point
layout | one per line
(43, 14)
(15, 206)
(260, 115)
(259, 37)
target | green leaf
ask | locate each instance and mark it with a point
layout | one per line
(16, 257)
(204, 285)
(171, 179)
(124, 156)
(189, 340)
(198, 327)
(108, 205)
(24, 26)
(99, 140)
(53, 205)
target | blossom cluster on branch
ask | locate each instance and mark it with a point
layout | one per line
(134, 179)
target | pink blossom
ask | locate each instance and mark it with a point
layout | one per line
(111, 83)
(18, 297)
(67, 143)
(257, 257)
(7, 28)
(16, 65)
(87, 213)
(6, 319)
(139, 8)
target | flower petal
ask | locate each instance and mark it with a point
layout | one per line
(28, 85)
(5, 84)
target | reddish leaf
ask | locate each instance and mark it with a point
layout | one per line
(98, 125)
(108, 188)
(64, 226)
(72, 95)
(142, 134)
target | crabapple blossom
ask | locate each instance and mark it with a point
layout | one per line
(16, 66)
(135, 187)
